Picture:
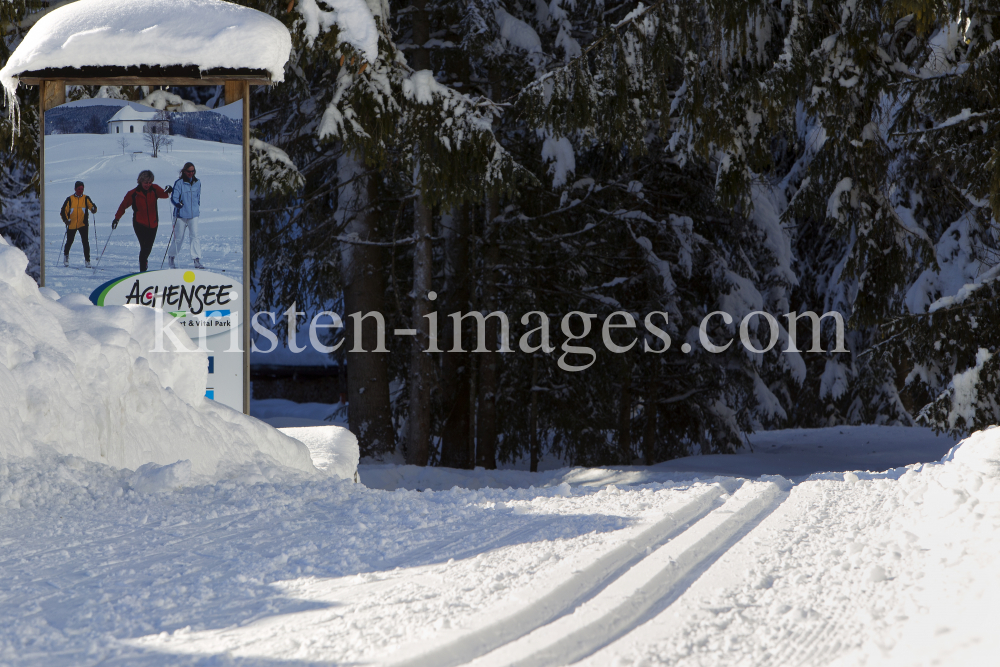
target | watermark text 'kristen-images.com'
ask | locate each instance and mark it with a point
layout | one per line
(575, 326)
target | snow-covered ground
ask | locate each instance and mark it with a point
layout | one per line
(792, 453)
(279, 568)
(280, 413)
(825, 547)
(108, 174)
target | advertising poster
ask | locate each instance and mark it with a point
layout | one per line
(146, 206)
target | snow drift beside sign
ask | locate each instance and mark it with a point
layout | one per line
(81, 379)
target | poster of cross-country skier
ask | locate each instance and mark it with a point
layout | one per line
(130, 188)
(144, 207)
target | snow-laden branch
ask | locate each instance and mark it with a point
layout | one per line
(353, 20)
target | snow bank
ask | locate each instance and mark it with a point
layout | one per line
(333, 449)
(979, 452)
(796, 454)
(153, 478)
(206, 33)
(83, 381)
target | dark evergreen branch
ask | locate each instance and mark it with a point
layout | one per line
(585, 52)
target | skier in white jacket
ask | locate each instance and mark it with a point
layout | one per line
(186, 199)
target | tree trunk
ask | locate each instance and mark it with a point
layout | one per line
(473, 393)
(534, 441)
(649, 407)
(369, 413)
(455, 367)
(625, 414)
(421, 58)
(421, 362)
(486, 419)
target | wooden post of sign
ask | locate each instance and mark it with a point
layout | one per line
(235, 91)
(52, 94)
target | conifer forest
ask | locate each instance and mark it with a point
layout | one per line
(673, 157)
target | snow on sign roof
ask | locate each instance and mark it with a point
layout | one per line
(161, 33)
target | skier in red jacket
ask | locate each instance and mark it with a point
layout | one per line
(145, 217)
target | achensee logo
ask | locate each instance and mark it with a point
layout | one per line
(174, 291)
(193, 299)
(190, 307)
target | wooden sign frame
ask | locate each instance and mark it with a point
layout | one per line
(237, 84)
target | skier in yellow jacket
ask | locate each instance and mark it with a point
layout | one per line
(75, 214)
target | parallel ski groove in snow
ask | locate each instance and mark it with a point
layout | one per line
(564, 596)
(619, 607)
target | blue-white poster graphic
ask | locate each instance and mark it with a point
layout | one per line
(174, 182)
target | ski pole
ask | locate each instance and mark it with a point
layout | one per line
(169, 241)
(62, 245)
(102, 251)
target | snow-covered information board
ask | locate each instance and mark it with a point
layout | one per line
(154, 197)
(130, 189)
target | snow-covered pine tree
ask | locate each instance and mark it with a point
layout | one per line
(457, 164)
(19, 208)
(947, 180)
(626, 223)
(321, 238)
(765, 141)
(899, 97)
(382, 123)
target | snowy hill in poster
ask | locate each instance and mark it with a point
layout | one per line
(207, 126)
(92, 119)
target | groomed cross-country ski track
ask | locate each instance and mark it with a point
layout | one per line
(270, 568)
